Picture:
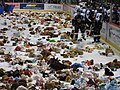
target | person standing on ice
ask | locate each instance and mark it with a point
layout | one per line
(83, 25)
(79, 23)
(98, 25)
(78, 7)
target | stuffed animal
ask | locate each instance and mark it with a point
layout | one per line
(1, 43)
(68, 18)
(57, 50)
(31, 54)
(1, 52)
(31, 29)
(27, 45)
(21, 88)
(76, 51)
(108, 72)
(32, 33)
(29, 50)
(49, 28)
(91, 83)
(99, 47)
(2, 72)
(114, 65)
(4, 29)
(8, 59)
(18, 48)
(68, 78)
(65, 25)
(108, 51)
(65, 55)
(88, 49)
(22, 82)
(49, 85)
(66, 62)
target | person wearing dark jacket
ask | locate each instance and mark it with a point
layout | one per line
(97, 25)
(79, 24)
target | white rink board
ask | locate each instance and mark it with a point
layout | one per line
(53, 7)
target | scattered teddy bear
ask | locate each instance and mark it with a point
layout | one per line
(108, 51)
(114, 65)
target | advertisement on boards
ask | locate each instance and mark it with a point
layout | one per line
(17, 5)
(58, 7)
(114, 34)
(32, 6)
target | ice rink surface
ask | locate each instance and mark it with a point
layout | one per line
(34, 38)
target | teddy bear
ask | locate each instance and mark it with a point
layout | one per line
(114, 65)
(66, 62)
(108, 51)
(1, 43)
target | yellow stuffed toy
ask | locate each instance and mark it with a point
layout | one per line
(27, 45)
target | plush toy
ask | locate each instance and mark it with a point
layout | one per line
(5, 78)
(66, 62)
(96, 68)
(22, 82)
(108, 72)
(114, 65)
(68, 18)
(31, 54)
(27, 72)
(4, 29)
(88, 49)
(91, 83)
(27, 45)
(45, 53)
(49, 28)
(1, 43)
(2, 72)
(21, 28)
(108, 51)
(30, 50)
(52, 40)
(1, 37)
(21, 88)
(68, 78)
(76, 65)
(80, 52)
(18, 48)
(65, 25)
(1, 52)
(99, 47)
(32, 33)
(65, 55)
(40, 83)
(57, 50)
(8, 59)
(49, 85)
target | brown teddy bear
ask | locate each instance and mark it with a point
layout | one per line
(109, 50)
(49, 85)
(66, 62)
(114, 64)
(1, 43)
